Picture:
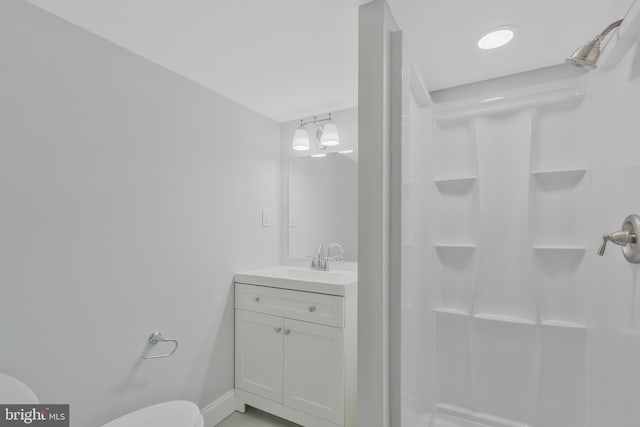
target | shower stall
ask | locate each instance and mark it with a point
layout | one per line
(501, 312)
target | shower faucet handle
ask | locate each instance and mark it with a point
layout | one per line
(627, 237)
(621, 238)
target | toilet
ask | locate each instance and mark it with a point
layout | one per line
(13, 391)
(176, 413)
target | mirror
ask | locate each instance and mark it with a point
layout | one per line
(323, 205)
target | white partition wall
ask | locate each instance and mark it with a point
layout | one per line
(508, 317)
(376, 27)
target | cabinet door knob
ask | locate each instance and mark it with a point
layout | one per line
(287, 331)
(256, 299)
(278, 329)
(312, 308)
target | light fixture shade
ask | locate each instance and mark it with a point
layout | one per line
(301, 140)
(330, 137)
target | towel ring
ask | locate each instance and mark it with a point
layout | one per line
(155, 338)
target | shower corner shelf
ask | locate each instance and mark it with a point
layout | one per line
(560, 172)
(454, 180)
(562, 324)
(558, 248)
(450, 253)
(467, 246)
(559, 178)
(450, 310)
(504, 318)
(455, 185)
(570, 257)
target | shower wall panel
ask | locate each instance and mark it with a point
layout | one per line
(509, 318)
(614, 345)
(505, 288)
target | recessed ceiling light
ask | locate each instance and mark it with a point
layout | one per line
(496, 37)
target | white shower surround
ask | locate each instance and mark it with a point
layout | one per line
(508, 317)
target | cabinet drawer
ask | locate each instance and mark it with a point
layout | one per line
(307, 306)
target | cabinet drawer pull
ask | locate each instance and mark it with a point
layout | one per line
(278, 329)
(312, 308)
(256, 299)
(287, 331)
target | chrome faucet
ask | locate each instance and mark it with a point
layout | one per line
(340, 256)
(320, 261)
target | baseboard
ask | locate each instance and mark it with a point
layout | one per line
(224, 406)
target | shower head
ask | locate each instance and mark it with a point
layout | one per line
(587, 56)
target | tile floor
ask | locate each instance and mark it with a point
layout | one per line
(254, 418)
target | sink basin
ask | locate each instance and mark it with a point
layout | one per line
(333, 282)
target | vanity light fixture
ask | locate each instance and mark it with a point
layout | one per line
(301, 139)
(326, 134)
(330, 137)
(496, 37)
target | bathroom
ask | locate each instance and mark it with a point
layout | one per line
(150, 183)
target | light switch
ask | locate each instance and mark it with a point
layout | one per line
(266, 217)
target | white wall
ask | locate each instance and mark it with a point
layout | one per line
(376, 102)
(128, 197)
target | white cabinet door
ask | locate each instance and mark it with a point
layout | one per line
(259, 354)
(314, 369)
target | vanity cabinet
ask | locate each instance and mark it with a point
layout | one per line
(313, 369)
(295, 354)
(259, 354)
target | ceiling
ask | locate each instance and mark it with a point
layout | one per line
(443, 34)
(289, 59)
(286, 59)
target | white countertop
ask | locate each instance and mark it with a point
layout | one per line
(332, 282)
